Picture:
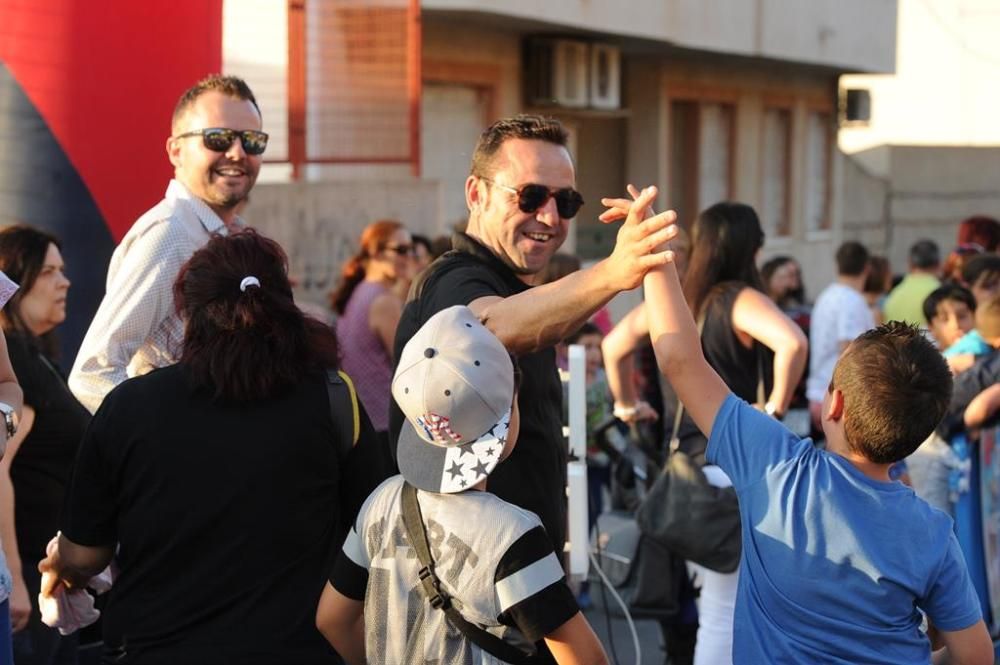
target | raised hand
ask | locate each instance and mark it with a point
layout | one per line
(641, 242)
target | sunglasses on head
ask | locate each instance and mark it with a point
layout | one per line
(218, 139)
(532, 197)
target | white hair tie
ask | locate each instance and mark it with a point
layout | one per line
(249, 281)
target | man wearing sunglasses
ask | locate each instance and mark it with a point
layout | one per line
(521, 197)
(216, 146)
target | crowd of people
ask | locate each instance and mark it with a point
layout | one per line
(256, 484)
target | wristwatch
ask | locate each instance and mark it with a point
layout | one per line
(9, 419)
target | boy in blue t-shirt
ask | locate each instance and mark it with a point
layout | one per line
(838, 560)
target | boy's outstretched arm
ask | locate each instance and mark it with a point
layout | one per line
(342, 622)
(969, 646)
(678, 347)
(574, 643)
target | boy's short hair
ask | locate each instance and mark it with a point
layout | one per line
(588, 328)
(852, 259)
(953, 292)
(231, 86)
(896, 388)
(988, 319)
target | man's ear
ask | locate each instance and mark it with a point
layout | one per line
(174, 151)
(473, 194)
(836, 409)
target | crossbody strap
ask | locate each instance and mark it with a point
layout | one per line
(438, 597)
(343, 408)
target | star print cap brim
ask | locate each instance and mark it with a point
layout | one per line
(447, 470)
(455, 385)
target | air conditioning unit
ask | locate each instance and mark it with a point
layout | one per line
(605, 77)
(556, 72)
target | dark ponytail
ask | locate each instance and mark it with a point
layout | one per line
(245, 342)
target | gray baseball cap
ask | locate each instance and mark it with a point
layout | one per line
(455, 385)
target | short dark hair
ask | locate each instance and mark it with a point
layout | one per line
(896, 388)
(925, 254)
(977, 266)
(988, 318)
(878, 274)
(536, 127)
(244, 343)
(954, 292)
(852, 259)
(231, 86)
(22, 256)
(588, 328)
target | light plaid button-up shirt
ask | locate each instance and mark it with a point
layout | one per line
(136, 328)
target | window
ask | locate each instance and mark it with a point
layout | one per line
(775, 171)
(819, 141)
(701, 166)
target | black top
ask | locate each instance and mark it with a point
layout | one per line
(40, 471)
(534, 476)
(738, 365)
(226, 515)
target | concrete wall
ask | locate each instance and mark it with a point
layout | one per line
(845, 34)
(319, 224)
(927, 192)
(943, 91)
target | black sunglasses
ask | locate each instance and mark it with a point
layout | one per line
(401, 250)
(218, 139)
(532, 197)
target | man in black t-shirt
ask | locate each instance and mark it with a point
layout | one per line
(521, 198)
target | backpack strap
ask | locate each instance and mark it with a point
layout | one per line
(438, 597)
(343, 408)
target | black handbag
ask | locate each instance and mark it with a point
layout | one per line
(688, 515)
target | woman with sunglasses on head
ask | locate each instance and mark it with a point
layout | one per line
(35, 473)
(368, 301)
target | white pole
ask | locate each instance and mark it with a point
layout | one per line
(576, 472)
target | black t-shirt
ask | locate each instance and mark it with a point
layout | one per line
(225, 514)
(40, 471)
(534, 476)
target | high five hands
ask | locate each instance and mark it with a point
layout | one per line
(642, 240)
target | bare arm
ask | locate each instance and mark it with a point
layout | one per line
(10, 391)
(969, 646)
(618, 350)
(547, 314)
(756, 315)
(677, 346)
(383, 318)
(342, 622)
(574, 643)
(73, 565)
(983, 406)
(20, 604)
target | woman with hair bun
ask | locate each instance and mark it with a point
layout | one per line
(225, 480)
(368, 302)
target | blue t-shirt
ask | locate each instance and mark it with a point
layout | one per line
(971, 342)
(835, 564)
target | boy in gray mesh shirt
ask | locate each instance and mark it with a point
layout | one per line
(455, 384)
